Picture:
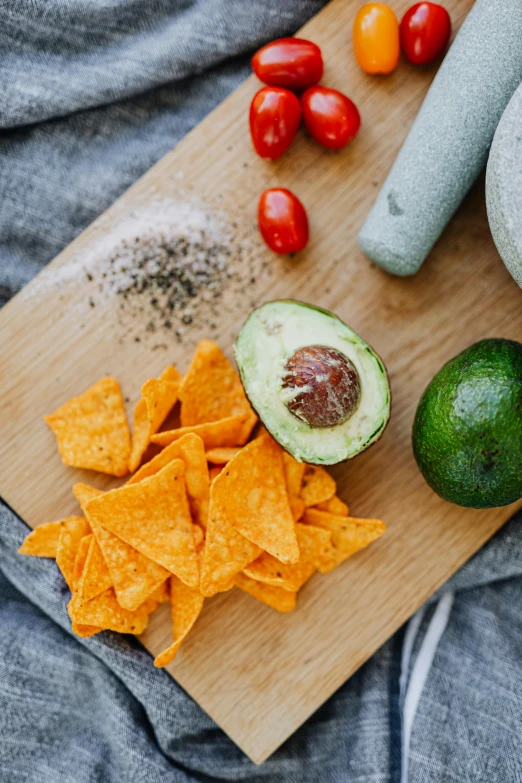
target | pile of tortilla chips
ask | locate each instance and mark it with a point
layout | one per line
(209, 512)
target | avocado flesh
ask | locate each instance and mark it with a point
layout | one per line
(268, 339)
(467, 432)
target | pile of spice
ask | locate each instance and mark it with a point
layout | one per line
(159, 261)
(159, 269)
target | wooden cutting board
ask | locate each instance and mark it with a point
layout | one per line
(259, 674)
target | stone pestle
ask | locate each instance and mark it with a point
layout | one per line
(448, 144)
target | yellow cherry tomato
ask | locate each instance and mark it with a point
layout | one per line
(376, 38)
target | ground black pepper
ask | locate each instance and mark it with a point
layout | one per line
(167, 270)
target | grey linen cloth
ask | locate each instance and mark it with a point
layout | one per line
(93, 93)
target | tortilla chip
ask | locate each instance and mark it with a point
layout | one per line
(199, 535)
(255, 500)
(171, 375)
(72, 532)
(42, 541)
(95, 578)
(298, 507)
(104, 612)
(226, 551)
(134, 576)
(214, 472)
(318, 486)
(349, 535)
(155, 599)
(141, 434)
(168, 454)
(91, 429)
(79, 561)
(294, 472)
(211, 389)
(84, 631)
(161, 594)
(315, 546)
(196, 477)
(334, 506)
(186, 605)
(153, 516)
(232, 431)
(85, 493)
(220, 456)
(275, 597)
(191, 450)
(158, 397)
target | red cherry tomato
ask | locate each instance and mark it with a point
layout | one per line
(289, 62)
(275, 115)
(425, 30)
(330, 117)
(282, 221)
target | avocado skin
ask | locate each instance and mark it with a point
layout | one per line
(467, 432)
(311, 459)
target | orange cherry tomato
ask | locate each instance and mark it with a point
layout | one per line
(376, 38)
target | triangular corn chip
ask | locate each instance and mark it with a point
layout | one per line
(226, 552)
(298, 507)
(95, 578)
(84, 493)
(153, 516)
(232, 431)
(84, 631)
(104, 612)
(42, 541)
(315, 546)
(349, 535)
(158, 398)
(186, 605)
(255, 500)
(79, 560)
(211, 389)
(220, 456)
(72, 532)
(214, 472)
(171, 375)
(191, 450)
(91, 429)
(318, 486)
(294, 473)
(197, 479)
(133, 575)
(275, 597)
(334, 506)
(161, 594)
(199, 536)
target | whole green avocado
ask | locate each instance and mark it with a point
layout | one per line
(467, 433)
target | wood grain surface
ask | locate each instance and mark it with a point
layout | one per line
(259, 674)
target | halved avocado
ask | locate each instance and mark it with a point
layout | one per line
(318, 388)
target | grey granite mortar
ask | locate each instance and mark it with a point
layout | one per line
(448, 143)
(504, 187)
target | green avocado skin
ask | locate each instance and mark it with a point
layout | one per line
(467, 432)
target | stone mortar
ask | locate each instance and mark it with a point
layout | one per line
(504, 187)
(448, 144)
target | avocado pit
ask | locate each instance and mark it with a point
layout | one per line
(324, 386)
